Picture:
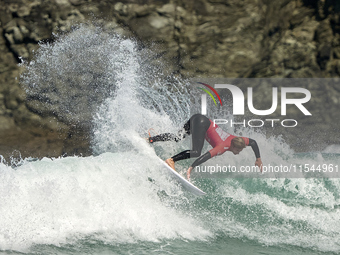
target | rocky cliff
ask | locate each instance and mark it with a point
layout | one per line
(198, 38)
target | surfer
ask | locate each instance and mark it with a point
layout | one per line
(201, 128)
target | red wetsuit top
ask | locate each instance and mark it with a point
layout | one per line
(220, 140)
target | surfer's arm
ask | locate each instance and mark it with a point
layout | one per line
(256, 150)
(201, 159)
(255, 147)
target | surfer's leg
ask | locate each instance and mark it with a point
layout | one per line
(163, 137)
(199, 124)
(172, 137)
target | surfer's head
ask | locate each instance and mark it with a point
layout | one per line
(237, 145)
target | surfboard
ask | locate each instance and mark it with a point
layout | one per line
(180, 179)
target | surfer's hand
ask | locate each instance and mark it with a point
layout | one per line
(188, 172)
(258, 163)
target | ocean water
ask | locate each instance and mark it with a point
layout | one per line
(106, 204)
(118, 201)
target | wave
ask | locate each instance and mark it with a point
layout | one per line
(124, 198)
(120, 196)
(58, 201)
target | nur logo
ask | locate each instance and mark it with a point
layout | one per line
(239, 103)
(204, 97)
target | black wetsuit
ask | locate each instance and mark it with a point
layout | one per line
(197, 126)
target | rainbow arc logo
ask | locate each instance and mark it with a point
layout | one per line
(209, 93)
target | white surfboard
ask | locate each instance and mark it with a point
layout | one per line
(179, 178)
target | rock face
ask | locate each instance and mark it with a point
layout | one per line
(199, 38)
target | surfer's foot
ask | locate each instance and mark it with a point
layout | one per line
(171, 163)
